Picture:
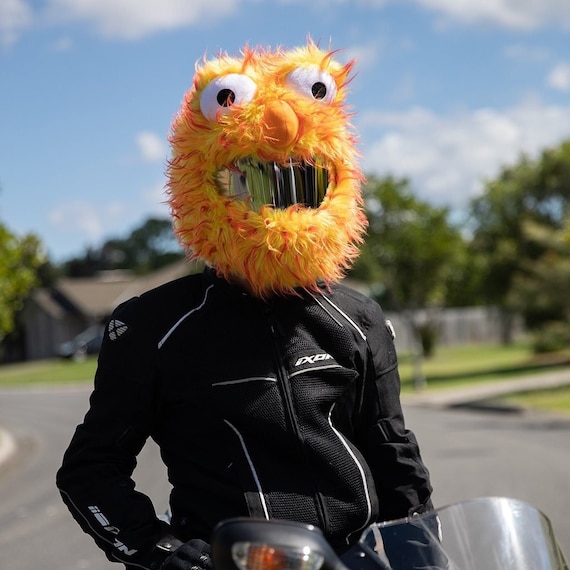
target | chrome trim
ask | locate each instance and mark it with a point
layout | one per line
(274, 184)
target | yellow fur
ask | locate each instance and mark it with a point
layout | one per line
(274, 250)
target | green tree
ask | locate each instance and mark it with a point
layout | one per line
(20, 259)
(148, 247)
(528, 194)
(540, 287)
(411, 256)
(412, 251)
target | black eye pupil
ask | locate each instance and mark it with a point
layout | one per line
(226, 97)
(319, 90)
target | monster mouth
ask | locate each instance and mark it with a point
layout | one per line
(280, 185)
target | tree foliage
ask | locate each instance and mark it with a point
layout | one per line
(412, 253)
(147, 248)
(520, 226)
(20, 259)
(410, 257)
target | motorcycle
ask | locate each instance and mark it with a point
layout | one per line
(490, 533)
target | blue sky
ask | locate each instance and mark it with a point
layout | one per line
(446, 92)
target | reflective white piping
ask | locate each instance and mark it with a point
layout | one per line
(173, 328)
(314, 368)
(245, 380)
(360, 469)
(358, 330)
(87, 521)
(253, 471)
(123, 560)
(326, 310)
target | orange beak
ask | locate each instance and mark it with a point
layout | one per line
(281, 123)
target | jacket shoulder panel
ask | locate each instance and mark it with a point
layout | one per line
(155, 311)
(370, 316)
(361, 308)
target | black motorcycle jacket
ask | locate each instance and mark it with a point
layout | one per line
(287, 408)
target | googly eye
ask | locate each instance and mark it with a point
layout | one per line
(313, 82)
(223, 92)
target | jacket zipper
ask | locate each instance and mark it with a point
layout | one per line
(288, 404)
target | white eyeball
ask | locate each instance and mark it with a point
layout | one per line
(313, 82)
(225, 91)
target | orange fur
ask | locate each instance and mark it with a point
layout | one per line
(274, 250)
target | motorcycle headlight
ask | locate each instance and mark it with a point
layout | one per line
(253, 556)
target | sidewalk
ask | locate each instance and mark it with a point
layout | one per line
(479, 394)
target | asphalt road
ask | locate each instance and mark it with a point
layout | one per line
(469, 454)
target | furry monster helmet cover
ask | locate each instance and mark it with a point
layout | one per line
(263, 181)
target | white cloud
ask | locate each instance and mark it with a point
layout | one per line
(519, 14)
(448, 157)
(15, 16)
(133, 19)
(559, 77)
(366, 54)
(526, 53)
(151, 146)
(87, 219)
(88, 224)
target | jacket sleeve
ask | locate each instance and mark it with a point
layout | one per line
(95, 479)
(391, 450)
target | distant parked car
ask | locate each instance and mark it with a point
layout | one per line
(87, 342)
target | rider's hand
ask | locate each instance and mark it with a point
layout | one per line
(192, 555)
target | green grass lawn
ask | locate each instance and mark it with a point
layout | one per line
(48, 371)
(455, 366)
(555, 399)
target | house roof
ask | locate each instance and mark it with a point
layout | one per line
(96, 297)
(44, 298)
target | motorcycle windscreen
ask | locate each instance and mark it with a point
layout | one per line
(479, 534)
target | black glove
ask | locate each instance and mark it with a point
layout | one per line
(192, 555)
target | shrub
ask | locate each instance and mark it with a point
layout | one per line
(552, 337)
